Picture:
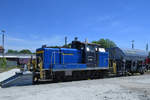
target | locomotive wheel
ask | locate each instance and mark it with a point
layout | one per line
(142, 72)
(132, 73)
(35, 80)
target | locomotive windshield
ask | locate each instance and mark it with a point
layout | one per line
(90, 48)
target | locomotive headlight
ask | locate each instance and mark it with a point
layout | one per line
(88, 49)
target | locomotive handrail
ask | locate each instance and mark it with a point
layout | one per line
(53, 53)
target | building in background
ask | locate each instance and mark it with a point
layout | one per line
(17, 59)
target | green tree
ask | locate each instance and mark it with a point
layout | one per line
(12, 51)
(67, 46)
(54, 46)
(105, 43)
(25, 51)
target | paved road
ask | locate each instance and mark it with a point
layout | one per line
(122, 88)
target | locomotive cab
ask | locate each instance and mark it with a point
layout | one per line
(92, 54)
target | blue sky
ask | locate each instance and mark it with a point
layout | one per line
(31, 23)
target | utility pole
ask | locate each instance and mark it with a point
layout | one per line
(132, 44)
(147, 47)
(3, 40)
(66, 41)
(86, 40)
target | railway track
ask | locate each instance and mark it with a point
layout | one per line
(70, 79)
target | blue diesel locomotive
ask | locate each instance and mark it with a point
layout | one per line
(86, 60)
(82, 60)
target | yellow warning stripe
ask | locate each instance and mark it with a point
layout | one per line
(39, 52)
(70, 54)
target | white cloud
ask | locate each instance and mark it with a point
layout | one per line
(32, 43)
(14, 39)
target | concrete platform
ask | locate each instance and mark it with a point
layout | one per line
(19, 79)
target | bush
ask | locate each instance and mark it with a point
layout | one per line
(3, 62)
